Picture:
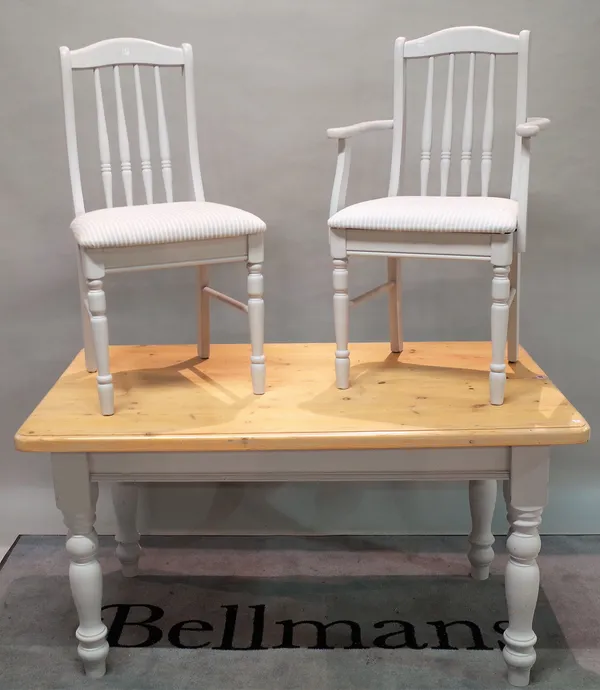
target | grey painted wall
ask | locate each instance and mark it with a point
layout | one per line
(271, 77)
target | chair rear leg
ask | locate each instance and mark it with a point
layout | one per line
(395, 304)
(513, 314)
(256, 316)
(203, 313)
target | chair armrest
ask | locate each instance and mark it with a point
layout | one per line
(533, 126)
(526, 130)
(352, 130)
(340, 182)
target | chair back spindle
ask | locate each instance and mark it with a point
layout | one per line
(467, 135)
(163, 138)
(488, 130)
(427, 133)
(103, 144)
(446, 153)
(124, 152)
(143, 136)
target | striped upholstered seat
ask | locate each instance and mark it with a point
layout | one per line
(430, 214)
(183, 221)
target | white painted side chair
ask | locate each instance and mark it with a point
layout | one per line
(153, 235)
(460, 227)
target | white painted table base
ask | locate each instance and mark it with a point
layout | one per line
(525, 469)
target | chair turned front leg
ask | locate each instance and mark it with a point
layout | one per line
(76, 498)
(256, 315)
(97, 305)
(528, 494)
(125, 501)
(482, 501)
(500, 298)
(341, 308)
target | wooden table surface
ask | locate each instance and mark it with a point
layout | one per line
(433, 395)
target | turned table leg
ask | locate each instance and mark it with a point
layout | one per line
(76, 498)
(527, 497)
(482, 501)
(125, 501)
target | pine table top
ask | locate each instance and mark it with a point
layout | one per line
(433, 395)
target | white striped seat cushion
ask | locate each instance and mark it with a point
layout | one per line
(430, 214)
(180, 221)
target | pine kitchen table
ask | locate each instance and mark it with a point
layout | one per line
(426, 410)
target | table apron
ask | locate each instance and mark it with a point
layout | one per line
(451, 464)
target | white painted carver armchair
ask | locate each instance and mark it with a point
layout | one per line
(152, 235)
(454, 227)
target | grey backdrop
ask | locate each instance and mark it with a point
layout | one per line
(271, 76)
